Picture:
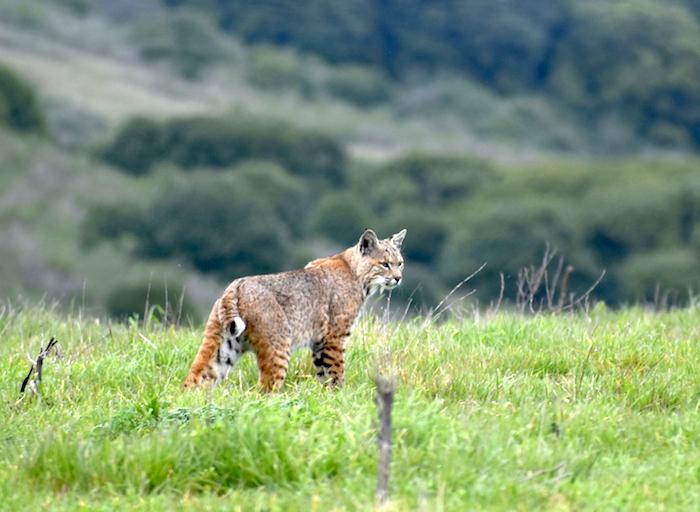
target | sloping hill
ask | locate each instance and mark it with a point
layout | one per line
(477, 171)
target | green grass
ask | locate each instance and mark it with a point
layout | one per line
(506, 412)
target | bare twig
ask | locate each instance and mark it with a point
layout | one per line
(449, 306)
(180, 305)
(398, 324)
(7, 324)
(496, 307)
(530, 280)
(435, 312)
(146, 306)
(385, 399)
(536, 292)
(585, 295)
(564, 286)
(36, 369)
(551, 288)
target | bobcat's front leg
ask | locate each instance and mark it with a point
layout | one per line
(329, 360)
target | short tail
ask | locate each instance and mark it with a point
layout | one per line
(229, 318)
(224, 317)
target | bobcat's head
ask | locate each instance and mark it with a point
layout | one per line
(380, 264)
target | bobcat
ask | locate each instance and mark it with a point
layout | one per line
(315, 306)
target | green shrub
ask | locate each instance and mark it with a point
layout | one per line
(232, 224)
(221, 142)
(313, 154)
(652, 275)
(340, 216)
(216, 223)
(426, 180)
(649, 78)
(510, 235)
(19, 107)
(111, 221)
(634, 217)
(187, 40)
(138, 144)
(72, 126)
(274, 69)
(440, 179)
(427, 231)
(287, 194)
(167, 301)
(359, 85)
(81, 7)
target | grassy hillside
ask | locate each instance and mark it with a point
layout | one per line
(498, 412)
(46, 192)
(92, 66)
(89, 74)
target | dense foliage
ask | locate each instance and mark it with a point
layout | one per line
(19, 106)
(186, 40)
(638, 61)
(220, 142)
(638, 221)
(353, 115)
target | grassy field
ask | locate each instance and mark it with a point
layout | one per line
(505, 412)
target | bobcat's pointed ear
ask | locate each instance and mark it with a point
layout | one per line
(368, 242)
(397, 239)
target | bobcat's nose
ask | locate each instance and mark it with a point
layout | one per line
(397, 281)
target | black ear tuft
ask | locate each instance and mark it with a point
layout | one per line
(368, 242)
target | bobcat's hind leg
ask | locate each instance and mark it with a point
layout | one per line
(268, 333)
(230, 351)
(219, 352)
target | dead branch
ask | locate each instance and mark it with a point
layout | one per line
(575, 302)
(533, 282)
(36, 370)
(437, 311)
(495, 308)
(564, 286)
(537, 292)
(552, 287)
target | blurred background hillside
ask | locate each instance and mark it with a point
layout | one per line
(173, 145)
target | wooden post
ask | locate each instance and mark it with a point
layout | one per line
(385, 400)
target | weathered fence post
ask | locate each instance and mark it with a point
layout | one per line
(385, 400)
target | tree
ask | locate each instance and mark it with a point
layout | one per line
(19, 107)
(138, 144)
(218, 224)
(339, 216)
(187, 40)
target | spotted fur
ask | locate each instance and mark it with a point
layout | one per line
(316, 307)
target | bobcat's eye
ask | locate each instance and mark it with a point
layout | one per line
(385, 265)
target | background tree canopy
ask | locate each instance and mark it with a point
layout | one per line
(639, 59)
(19, 108)
(209, 139)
